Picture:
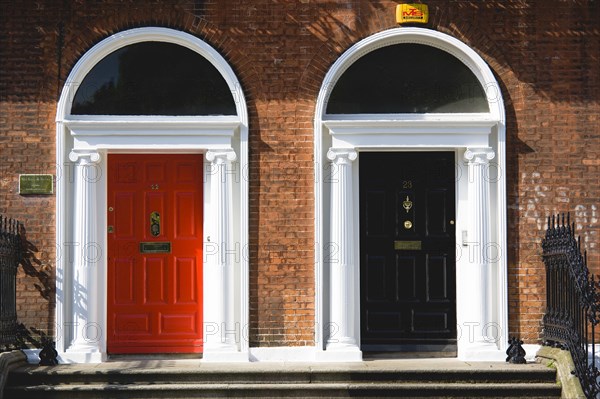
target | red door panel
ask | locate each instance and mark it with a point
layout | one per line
(154, 295)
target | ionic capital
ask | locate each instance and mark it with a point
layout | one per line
(479, 155)
(342, 155)
(221, 156)
(84, 157)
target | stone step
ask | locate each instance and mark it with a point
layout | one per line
(66, 374)
(297, 390)
(166, 379)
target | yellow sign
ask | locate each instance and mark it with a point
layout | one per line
(412, 13)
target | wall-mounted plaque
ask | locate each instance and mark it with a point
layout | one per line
(36, 184)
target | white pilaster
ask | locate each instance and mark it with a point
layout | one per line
(87, 255)
(343, 338)
(479, 316)
(221, 334)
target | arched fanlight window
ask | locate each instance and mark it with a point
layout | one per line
(154, 78)
(407, 78)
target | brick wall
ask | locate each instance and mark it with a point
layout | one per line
(27, 110)
(548, 69)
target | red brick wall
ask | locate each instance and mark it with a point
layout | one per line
(548, 69)
(28, 84)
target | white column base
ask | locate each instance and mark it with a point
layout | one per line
(340, 353)
(481, 351)
(221, 356)
(304, 354)
(69, 357)
(82, 348)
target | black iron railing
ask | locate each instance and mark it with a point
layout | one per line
(572, 301)
(10, 256)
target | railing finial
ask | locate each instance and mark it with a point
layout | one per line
(516, 353)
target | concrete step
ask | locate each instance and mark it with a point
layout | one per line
(330, 390)
(50, 376)
(367, 379)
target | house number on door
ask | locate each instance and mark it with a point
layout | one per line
(154, 186)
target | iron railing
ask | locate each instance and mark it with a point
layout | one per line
(572, 301)
(10, 256)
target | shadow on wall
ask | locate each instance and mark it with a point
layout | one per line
(553, 34)
(43, 281)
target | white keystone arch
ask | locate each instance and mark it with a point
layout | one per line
(86, 139)
(476, 138)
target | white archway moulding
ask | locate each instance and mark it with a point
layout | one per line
(83, 141)
(478, 140)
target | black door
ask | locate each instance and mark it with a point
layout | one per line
(407, 248)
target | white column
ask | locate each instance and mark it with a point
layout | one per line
(478, 234)
(343, 267)
(221, 334)
(87, 254)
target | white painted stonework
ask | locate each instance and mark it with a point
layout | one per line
(86, 253)
(479, 229)
(83, 142)
(343, 337)
(476, 139)
(220, 332)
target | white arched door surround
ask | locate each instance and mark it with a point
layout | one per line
(83, 142)
(478, 140)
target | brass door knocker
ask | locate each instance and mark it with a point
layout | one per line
(155, 224)
(407, 204)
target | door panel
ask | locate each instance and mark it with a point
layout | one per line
(124, 283)
(155, 278)
(155, 297)
(408, 293)
(404, 280)
(185, 215)
(186, 277)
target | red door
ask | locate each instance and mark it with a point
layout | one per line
(154, 253)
